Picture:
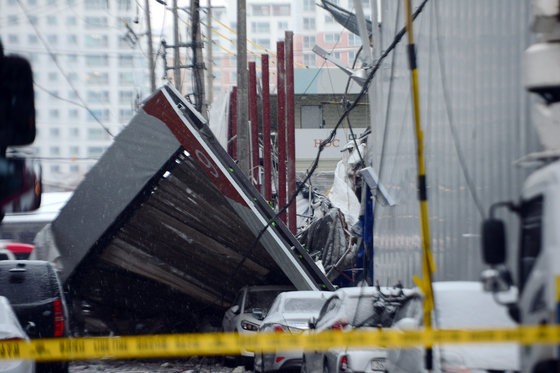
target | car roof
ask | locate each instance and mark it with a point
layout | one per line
(305, 294)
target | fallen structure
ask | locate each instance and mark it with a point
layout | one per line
(165, 229)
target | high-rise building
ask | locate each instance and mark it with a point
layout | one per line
(90, 73)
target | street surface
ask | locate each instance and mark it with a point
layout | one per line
(187, 365)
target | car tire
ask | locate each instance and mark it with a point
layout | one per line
(303, 368)
(59, 367)
(325, 366)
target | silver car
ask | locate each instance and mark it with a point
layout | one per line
(249, 309)
(348, 308)
(290, 313)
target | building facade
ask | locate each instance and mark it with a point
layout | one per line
(90, 74)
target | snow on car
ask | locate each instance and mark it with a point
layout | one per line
(11, 330)
(290, 313)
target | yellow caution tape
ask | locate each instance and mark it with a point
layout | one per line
(180, 345)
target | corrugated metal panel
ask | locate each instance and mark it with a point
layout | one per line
(472, 52)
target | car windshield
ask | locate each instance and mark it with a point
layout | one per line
(260, 299)
(303, 305)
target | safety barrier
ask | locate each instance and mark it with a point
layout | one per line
(181, 345)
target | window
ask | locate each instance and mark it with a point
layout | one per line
(282, 26)
(74, 150)
(126, 78)
(72, 58)
(33, 20)
(125, 115)
(126, 60)
(309, 59)
(75, 169)
(97, 78)
(73, 113)
(53, 114)
(97, 60)
(51, 20)
(97, 41)
(125, 97)
(125, 43)
(54, 132)
(351, 56)
(233, 77)
(336, 55)
(70, 21)
(13, 38)
(260, 10)
(72, 39)
(32, 39)
(94, 151)
(13, 20)
(53, 77)
(96, 4)
(308, 5)
(309, 41)
(309, 23)
(98, 96)
(55, 169)
(32, 2)
(95, 134)
(354, 39)
(54, 96)
(329, 18)
(73, 132)
(54, 150)
(124, 4)
(281, 10)
(260, 27)
(332, 38)
(73, 77)
(52, 39)
(100, 114)
(96, 22)
(265, 43)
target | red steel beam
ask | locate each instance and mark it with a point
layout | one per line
(266, 129)
(290, 128)
(281, 95)
(254, 118)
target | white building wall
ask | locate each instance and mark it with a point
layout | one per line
(107, 74)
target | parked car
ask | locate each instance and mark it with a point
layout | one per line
(35, 294)
(248, 311)
(290, 313)
(11, 330)
(348, 308)
(458, 305)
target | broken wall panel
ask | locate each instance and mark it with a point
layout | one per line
(160, 226)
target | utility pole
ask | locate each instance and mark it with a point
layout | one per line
(150, 47)
(176, 59)
(198, 64)
(209, 58)
(242, 90)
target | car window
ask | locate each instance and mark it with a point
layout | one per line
(28, 286)
(260, 299)
(411, 307)
(275, 305)
(328, 307)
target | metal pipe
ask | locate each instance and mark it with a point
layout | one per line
(232, 130)
(290, 128)
(281, 136)
(266, 128)
(254, 118)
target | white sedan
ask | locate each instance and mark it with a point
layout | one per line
(290, 313)
(11, 330)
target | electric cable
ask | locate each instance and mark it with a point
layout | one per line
(324, 143)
